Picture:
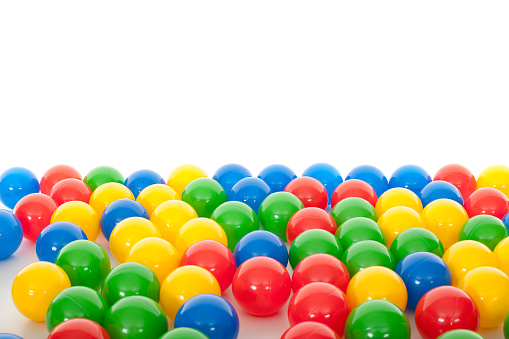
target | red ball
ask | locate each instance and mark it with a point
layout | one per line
(320, 302)
(34, 211)
(443, 309)
(459, 176)
(214, 257)
(320, 267)
(310, 191)
(78, 328)
(309, 218)
(308, 330)
(56, 174)
(70, 190)
(354, 188)
(261, 286)
(487, 200)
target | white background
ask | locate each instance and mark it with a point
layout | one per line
(156, 84)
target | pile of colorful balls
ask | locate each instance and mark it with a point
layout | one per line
(361, 251)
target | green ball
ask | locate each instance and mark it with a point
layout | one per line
(506, 327)
(484, 228)
(204, 195)
(358, 229)
(135, 317)
(76, 302)
(311, 242)
(365, 254)
(237, 219)
(130, 279)
(461, 334)
(377, 319)
(352, 208)
(416, 240)
(184, 333)
(85, 262)
(102, 175)
(276, 210)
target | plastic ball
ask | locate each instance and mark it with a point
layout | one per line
(102, 175)
(9, 336)
(11, 234)
(34, 211)
(154, 195)
(367, 253)
(85, 262)
(501, 253)
(56, 174)
(416, 240)
(459, 176)
(276, 210)
(70, 190)
(311, 242)
(327, 174)
(35, 286)
(170, 216)
(396, 220)
(359, 229)
(309, 218)
(228, 175)
(181, 176)
(354, 188)
(108, 193)
(320, 302)
(277, 177)
(261, 243)
(484, 228)
(79, 329)
(261, 286)
(141, 179)
(320, 267)
(461, 334)
(54, 237)
(210, 314)
(487, 200)
(412, 177)
(495, 176)
(119, 210)
(310, 191)
(184, 333)
(15, 183)
(398, 196)
(440, 190)
(506, 326)
(204, 195)
(371, 175)
(505, 220)
(251, 191)
(352, 208)
(81, 214)
(199, 229)
(310, 329)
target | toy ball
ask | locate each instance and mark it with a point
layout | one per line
(11, 234)
(228, 175)
(184, 333)
(377, 319)
(130, 279)
(70, 190)
(310, 191)
(320, 267)
(416, 240)
(487, 200)
(76, 302)
(79, 329)
(251, 191)
(85, 262)
(56, 174)
(9, 336)
(170, 216)
(459, 176)
(204, 195)
(54, 237)
(320, 302)
(396, 220)
(277, 177)
(367, 253)
(181, 176)
(135, 317)
(505, 220)
(460, 334)
(327, 174)
(199, 229)
(484, 228)
(440, 190)
(214, 257)
(309, 218)
(15, 183)
(506, 327)
(276, 210)
(310, 329)
(154, 195)
(398, 196)
(377, 282)
(352, 208)
(359, 229)
(210, 314)
(119, 210)
(102, 175)
(81, 214)
(108, 193)
(354, 188)
(237, 219)
(258, 244)
(35, 286)
(34, 211)
(141, 179)
(501, 253)
(495, 176)
(312, 242)
(261, 286)
(413, 177)
(371, 175)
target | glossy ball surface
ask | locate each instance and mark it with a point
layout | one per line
(251, 191)
(371, 175)
(79, 329)
(15, 183)
(310, 329)
(119, 210)
(34, 211)
(459, 176)
(495, 176)
(396, 220)
(352, 208)
(487, 200)
(54, 237)
(412, 177)
(70, 190)
(354, 188)
(311, 242)
(184, 333)
(367, 253)
(501, 253)
(358, 229)
(276, 210)
(182, 175)
(416, 240)
(327, 174)
(310, 191)
(141, 179)
(440, 190)
(485, 229)
(277, 177)
(309, 218)
(398, 196)
(170, 216)
(108, 193)
(81, 214)
(461, 334)
(154, 195)
(261, 243)
(204, 195)
(56, 174)
(320, 267)
(228, 175)
(102, 175)
(11, 234)
(199, 229)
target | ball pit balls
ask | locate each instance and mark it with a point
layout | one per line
(371, 175)
(320, 267)
(501, 253)
(70, 190)
(34, 211)
(416, 240)
(352, 208)
(210, 314)
(367, 253)
(495, 176)
(459, 176)
(485, 229)
(320, 302)
(154, 195)
(141, 179)
(119, 210)
(353, 188)
(251, 191)
(102, 175)
(443, 309)
(76, 302)
(85, 262)
(396, 220)
(276, 210)
(487, 200)
(130, 279)
(181, 176)
(359, 229)
(199, 229)
(81, 214)
(261, 286)
(377, 319)
(506, 326)
(309, 218)
(277, 177)
(9, 336)
(440, 190)
(460, 334)
(56, 174)
(11, 234)
(15, 183)
(228, 175)
(35, 286)
(310, 329)
(310, 191)
(398, 196)
(170, 216)
(412, 177)
(54, 237)
(204, 195)
(108, 193)
(184, 333)
(261, 243)
(79, 329)
(311, 242)
(327, 174)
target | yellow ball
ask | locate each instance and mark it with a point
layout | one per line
(445, 218)
(157, 254)
(154, 195)
(81, 214)
(127, 233)
(170, 216)
(108, 193)
(183, 283)
(495, 176)
(501, 253)
(181, 176)
(398, 196)
(397, 219)
(35, 286)
(464, 256)
(489, 289)
(199, 229)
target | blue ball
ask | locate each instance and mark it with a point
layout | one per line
(54, 237)
(9, 336)
(11, 234)
(505, 220)
(261, 244)
(440, 190)
(137, 181)
(210, 314)
(372, 175)
(327, 174)
(413, 177)
(251, 191)
(15, 183)
(229, 175)
(421, 272)
(119, 210)
(277, 177)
